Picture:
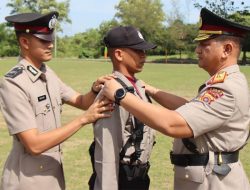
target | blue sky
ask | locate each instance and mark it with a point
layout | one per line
(86, 14)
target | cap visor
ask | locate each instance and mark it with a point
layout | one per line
(46, 37)
(143, 46)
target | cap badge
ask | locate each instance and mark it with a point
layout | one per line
(140, 35)
(52, 22)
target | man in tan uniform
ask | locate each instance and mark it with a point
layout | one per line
(123, 144)
(210, 129)
(31, 98)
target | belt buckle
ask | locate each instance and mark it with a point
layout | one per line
(220, 160)
(219, 167)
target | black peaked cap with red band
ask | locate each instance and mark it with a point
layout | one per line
(212, 25)
(41, 26)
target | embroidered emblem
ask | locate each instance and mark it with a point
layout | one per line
(211, 95)
(32, 70)
(14, 72)
(52, 22)
(140, 35)
(41, 98)
(207, 98)
(218, 78)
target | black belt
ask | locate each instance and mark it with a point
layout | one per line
(202, 159)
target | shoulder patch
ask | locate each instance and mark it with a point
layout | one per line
(211, 95)
(14, 72)
(218, 77)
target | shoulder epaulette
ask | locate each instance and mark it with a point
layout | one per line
(218, 77)
(14, 72)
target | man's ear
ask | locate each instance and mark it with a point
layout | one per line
(118, 54)
(228, 48)
(24, 42)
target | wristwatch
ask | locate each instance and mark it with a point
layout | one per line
(119, 95)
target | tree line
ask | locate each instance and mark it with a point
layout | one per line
(167, 30)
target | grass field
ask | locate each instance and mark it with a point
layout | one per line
(182, 80)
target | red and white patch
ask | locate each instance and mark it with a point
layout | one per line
(211, 95)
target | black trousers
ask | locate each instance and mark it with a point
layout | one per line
(124, 184)
(135, 184)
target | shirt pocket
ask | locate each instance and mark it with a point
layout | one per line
(42, 112)
(39, 165)
(190, 173)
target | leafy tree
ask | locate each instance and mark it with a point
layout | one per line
(221, 7)
(103, 29)
(177, 34)
(180, 37)
(174, 14)
(229, 10)
(90, 45)
(8, 43)
(243, 17)
(65, 47)
(147, 15)
(41, 6)
(191, 31)
(81, 45)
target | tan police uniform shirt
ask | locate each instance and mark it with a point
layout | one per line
(28, 101)
(111, 134)
(219, 118)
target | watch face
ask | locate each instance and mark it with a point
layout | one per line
(120, 93)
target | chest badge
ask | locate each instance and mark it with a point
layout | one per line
(41, 98)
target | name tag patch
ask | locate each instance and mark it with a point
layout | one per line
(41, 98)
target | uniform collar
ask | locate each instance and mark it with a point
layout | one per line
(124, 78)
(221, 75)
(232, 69)
(33, 72)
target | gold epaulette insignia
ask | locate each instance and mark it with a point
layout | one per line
(218, 77)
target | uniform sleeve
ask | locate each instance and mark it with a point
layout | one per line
(16, 108)
(208, 111)
(66, 92)
(108, 139)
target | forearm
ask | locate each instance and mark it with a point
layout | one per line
(84, 101)
(167, 100)
(167, 122)
(37, 143)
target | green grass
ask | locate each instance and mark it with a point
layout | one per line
(182, 80)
